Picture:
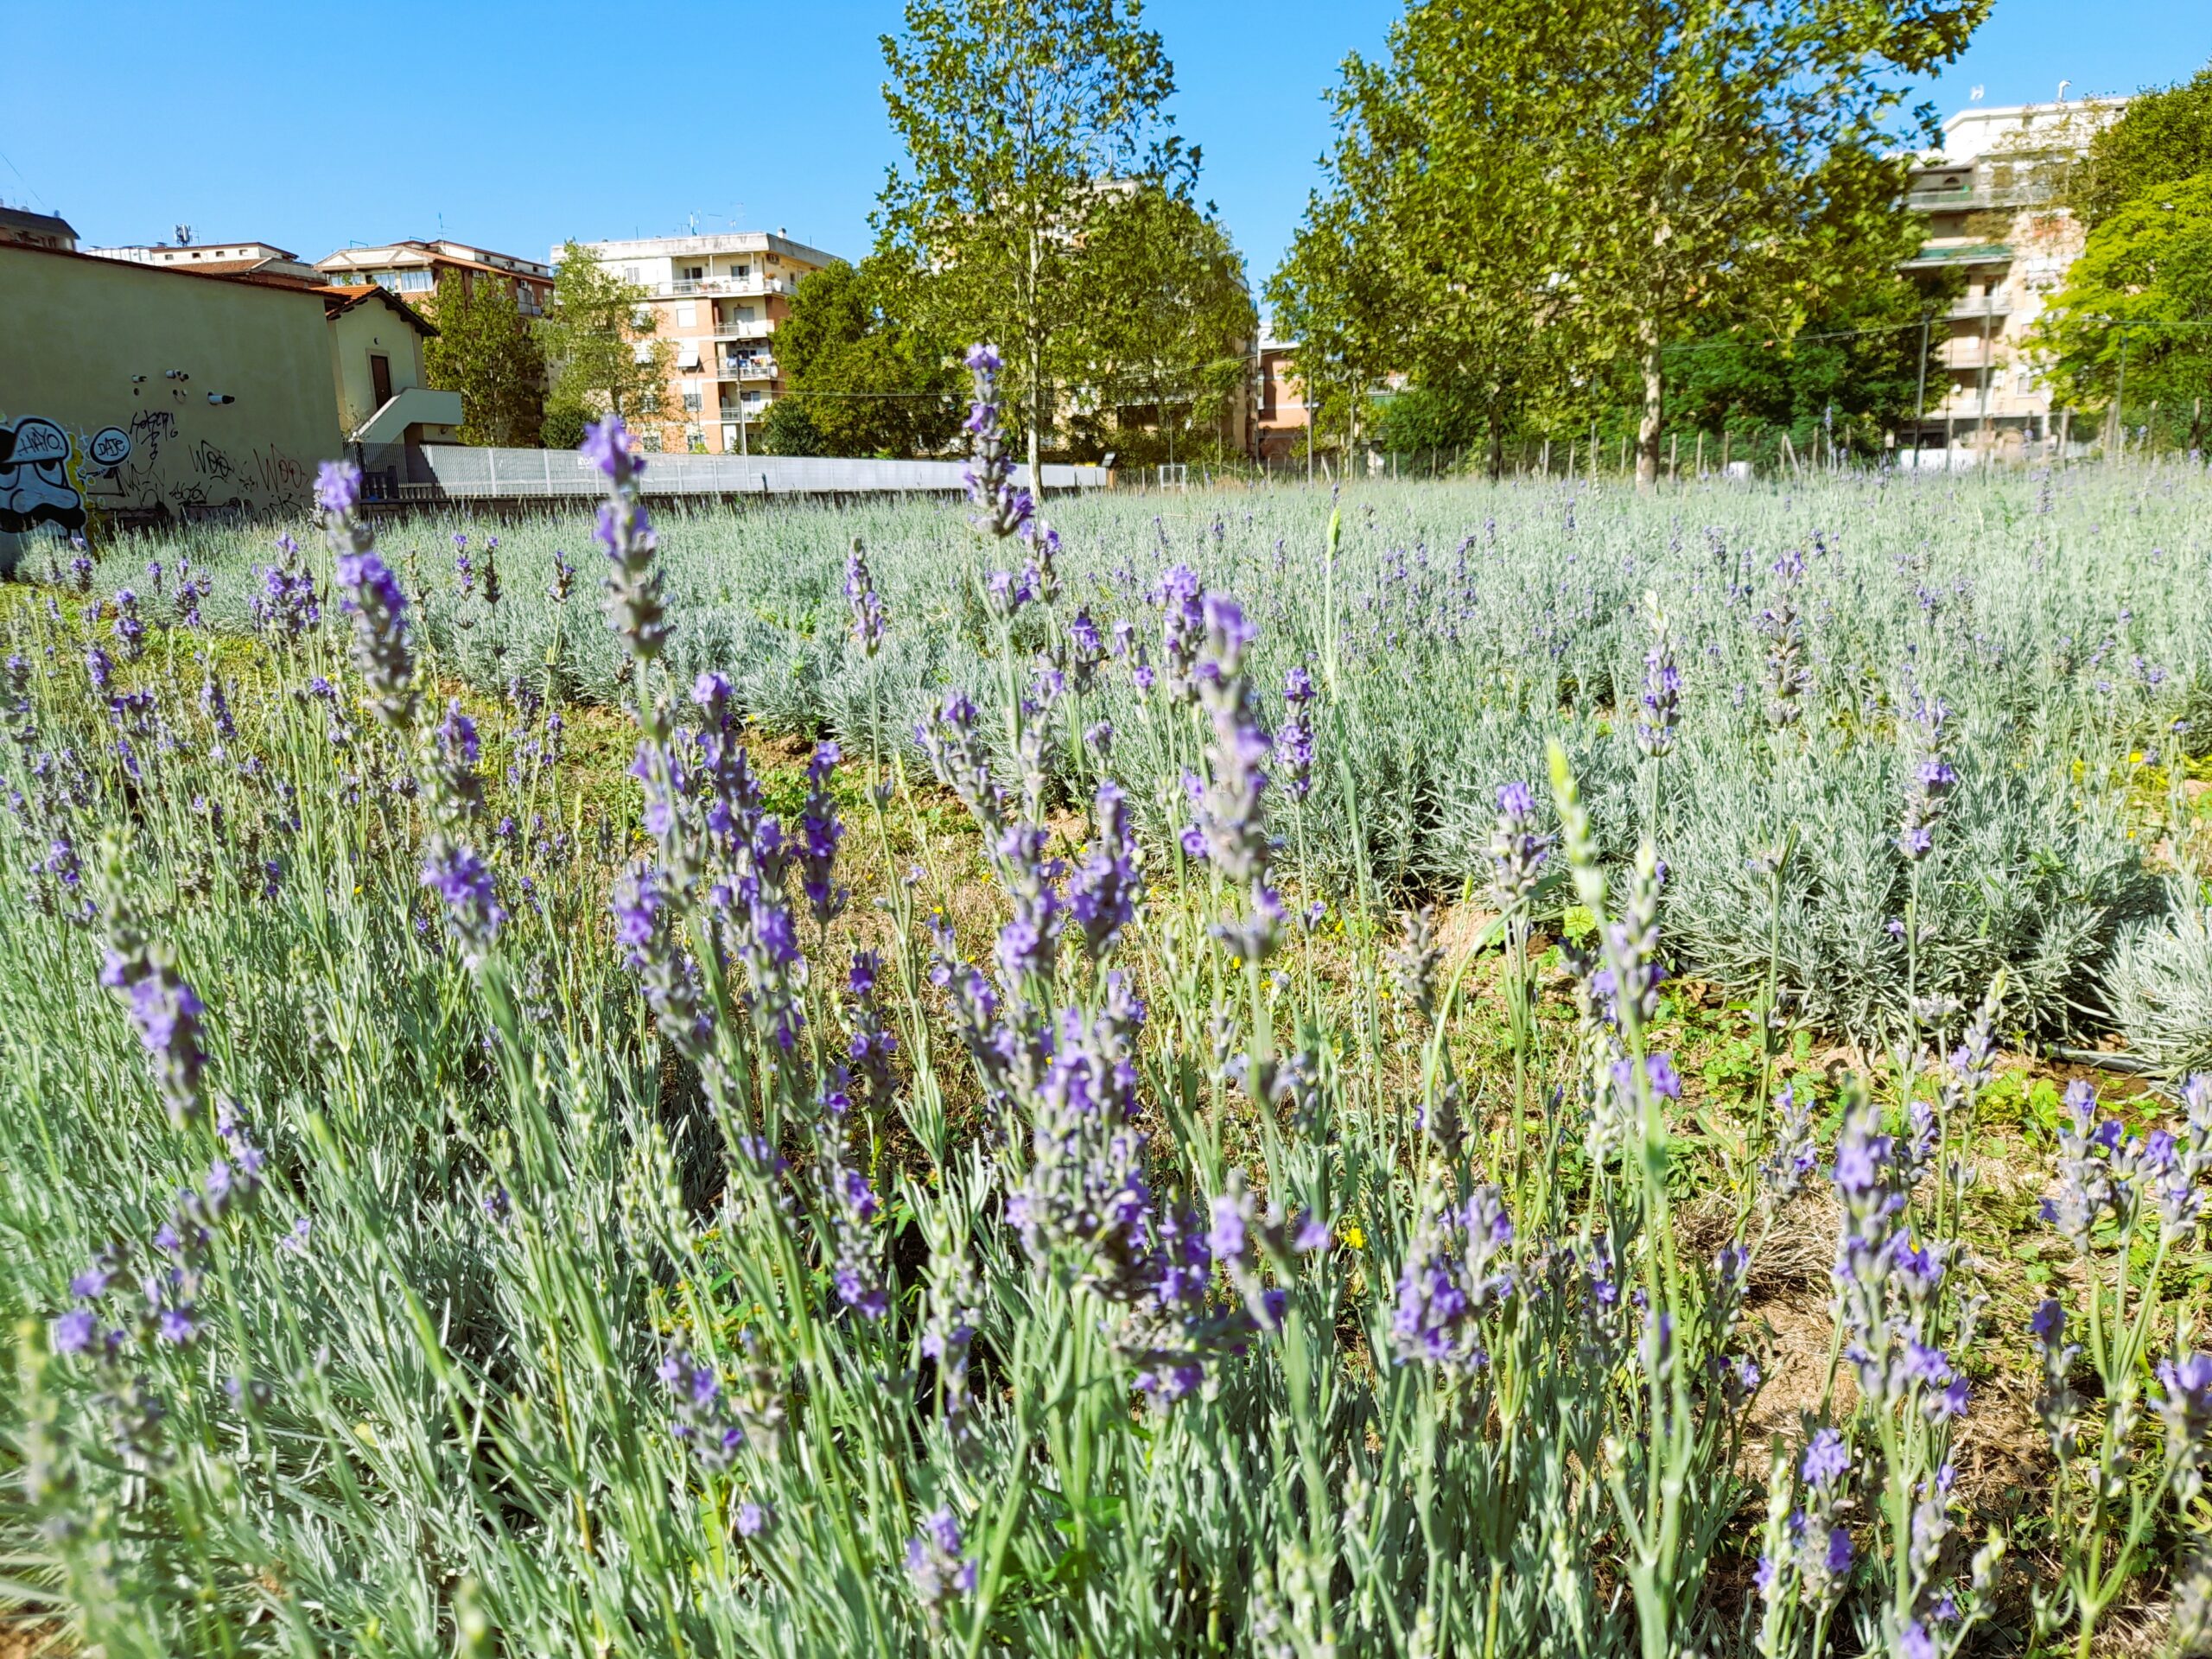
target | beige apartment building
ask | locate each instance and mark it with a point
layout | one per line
(716, 301)
(251, 262)
(1996, 231)
(411, 269)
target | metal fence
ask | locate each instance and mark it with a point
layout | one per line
(462, 473)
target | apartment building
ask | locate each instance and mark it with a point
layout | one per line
(28, 229)
(717, 301)
(412, 270)
(1282, 422)
(252, 262)
(1997, 246)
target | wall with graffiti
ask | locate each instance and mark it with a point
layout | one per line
(131, 394)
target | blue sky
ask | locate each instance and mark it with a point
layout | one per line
(514, 126)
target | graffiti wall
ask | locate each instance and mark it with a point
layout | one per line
(131, 395)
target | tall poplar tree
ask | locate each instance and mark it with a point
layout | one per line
(1022, 120)
(486, 351)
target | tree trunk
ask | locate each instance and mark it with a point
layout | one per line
(1655, 403)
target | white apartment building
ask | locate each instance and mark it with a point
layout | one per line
(716, 300)
(254, 261)
(1991, 197)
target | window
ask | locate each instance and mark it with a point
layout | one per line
(629, 274)
(691, 274)
(736, 269)
(416, 282)
(642, 350)
(686, 354)
(693, 400)
(385, 279)
(687, 315)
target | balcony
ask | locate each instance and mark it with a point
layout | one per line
(760, 366)
(1959, 258)
(1993, 305)
(1966, 352)
(1976, 198)
(743, 328)
(742, 286)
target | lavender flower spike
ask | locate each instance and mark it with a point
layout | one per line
(634, 606)
(371, 594)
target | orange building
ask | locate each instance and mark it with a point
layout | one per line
(411, 269)
(717, 299)
(1281, 432)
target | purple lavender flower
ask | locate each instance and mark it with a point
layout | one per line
(1293, 747)
(935, 1565)
(1003, 510)
(634, 606)
(2185, 1407)
(819, 834)
(129, 627)
(1517, 849)
(337, 486)
(371, 594)
(868, 624)
(1108, 885)
(464, 883)
(1931, 784)
(1457, 1269)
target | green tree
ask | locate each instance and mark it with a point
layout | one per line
(1162, 356)
(862, 382)
(2138, 306)
(1018, 117)
(485, 350)
(2162, 136)
(1659, 167)
(596, 335)
(1430, 251)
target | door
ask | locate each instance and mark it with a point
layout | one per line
(380, 379)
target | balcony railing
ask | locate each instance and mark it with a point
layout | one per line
(1955, 258)
(750, 368)
(691, 287)
(744, 329)
(1975, 198)
(1995, 305)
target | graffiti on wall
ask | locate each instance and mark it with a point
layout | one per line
(49, 476)
(38, 486)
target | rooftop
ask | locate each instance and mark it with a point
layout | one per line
(650, 247)
(21, 220)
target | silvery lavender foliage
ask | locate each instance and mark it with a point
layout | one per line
(1788, 675)
(464, 883)
(1932, 780)
(1457, 1270)
(1003, 510)
(1107, 888)
(1294, 749)
(869, 623)
(634, 606)
(370, 593)
(287, 607)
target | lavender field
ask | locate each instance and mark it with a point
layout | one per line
(1460, 1069)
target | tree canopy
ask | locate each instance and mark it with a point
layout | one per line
(486, 351)
(860, 382)
(2139, 301)
(1629, 174)
(1020, 119)
(596, 336)
(2163, 136)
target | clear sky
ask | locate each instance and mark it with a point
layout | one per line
(515, 126)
